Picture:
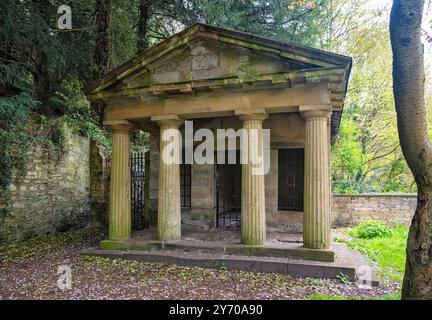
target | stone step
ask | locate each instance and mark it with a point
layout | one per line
(281, 250)
(286, 250)
(298, 268)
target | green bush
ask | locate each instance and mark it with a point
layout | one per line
(371, 229)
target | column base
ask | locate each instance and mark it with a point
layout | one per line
(316, 246)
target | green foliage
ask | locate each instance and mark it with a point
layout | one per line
(343, 279)
(25, 38)
(347, 159)
(371, 229)
(87, 127)
(366, 156)
(140, 141)
(223, 267)
(297, 21)
(123, 23)
(79, 113)
(16, 105)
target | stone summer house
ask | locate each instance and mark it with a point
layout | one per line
(222, 79)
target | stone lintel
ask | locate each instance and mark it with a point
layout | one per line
(206, 105)
(251, 114)
(312, 111)
(168, 120)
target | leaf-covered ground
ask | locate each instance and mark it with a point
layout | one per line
(29, 271)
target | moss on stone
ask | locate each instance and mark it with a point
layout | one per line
(146, 79)
(113, 245)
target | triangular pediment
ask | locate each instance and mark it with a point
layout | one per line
(209, 60)
(216, 57)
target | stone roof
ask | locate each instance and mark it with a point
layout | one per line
(206, 58)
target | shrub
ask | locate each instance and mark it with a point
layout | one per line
(371, 229)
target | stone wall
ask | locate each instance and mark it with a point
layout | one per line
(54, 195)
(390, 209)
(100, 166)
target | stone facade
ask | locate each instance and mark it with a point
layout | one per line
(54, 195)
(287, 131)
(348, 210)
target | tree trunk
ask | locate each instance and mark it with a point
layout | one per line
(145, 12)
(102, 49)
(41, 86)
(408, 88)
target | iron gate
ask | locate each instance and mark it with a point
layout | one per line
(228, 194)
(137, 189)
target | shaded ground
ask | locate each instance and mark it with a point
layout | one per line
(29, 271)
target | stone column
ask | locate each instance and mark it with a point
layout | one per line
(120, 185)
(169, 211)
(253, 220)
(316, 221)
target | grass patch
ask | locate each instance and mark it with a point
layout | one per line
(322, 296)
(382, 245)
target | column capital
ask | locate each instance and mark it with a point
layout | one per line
(119, 125)
(315, 111)
(251, 114)
(168, 120)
